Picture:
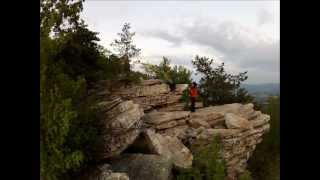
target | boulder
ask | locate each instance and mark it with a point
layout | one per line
(102, 172)
(177, 131)
(163, 117)
(151, 82)
(236, 122)
(166, 125)
(119, 128)
(196, 122)
(180, 88)
(143, 166)
(126, 119)
(261, 120)
(170, 147)
(207, 114)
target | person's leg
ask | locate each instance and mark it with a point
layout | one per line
(193, 104)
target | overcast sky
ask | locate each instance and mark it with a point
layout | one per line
(243, 34)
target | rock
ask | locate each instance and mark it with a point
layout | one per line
(171, 129)
(236, 122)
(102, 172)
(207, 114)
(143, 166)
(170, 147)
(118, 109)
(177, 131)
(166, 125)
(107, 105)
(151, 82)
(151, 94)
(126, 119)
(120, 131)
(261, 120)
(162, 117)
(180, 88)
(210, 133)
(195, 123)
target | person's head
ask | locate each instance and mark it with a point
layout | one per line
(194, 84)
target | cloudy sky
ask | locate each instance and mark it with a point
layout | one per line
(243, 34)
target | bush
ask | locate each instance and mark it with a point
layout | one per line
(208, 163)
(245, 176)
(164, 71)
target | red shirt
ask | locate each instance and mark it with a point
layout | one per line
(193, 92)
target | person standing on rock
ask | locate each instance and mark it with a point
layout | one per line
(193, 95)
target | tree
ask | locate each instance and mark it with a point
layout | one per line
(217, 86)
(124, 46)
(126, 49)
(67, 63)
(56, 13)
(164, 71)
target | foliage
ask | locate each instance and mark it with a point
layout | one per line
(163, 71)
(124, 46)
(69, 62)
(59, 15)
(245, 176)
(126, 50)
(217, 86)
(265, 161)
(208, 163)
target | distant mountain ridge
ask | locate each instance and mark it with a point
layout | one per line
(261, 92)
(265, 88)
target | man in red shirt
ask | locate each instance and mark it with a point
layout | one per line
(193, 94)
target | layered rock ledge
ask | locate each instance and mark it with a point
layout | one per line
(146, 123)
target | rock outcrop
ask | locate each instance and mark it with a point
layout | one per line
(102, 172)
(169, 147)
(149, 116)
(120, 123)
(152, 94)
(143, 166)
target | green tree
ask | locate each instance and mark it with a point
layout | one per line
(217, 86)
(126, 50)
(59, 15)
(67, 61)
(164, 71)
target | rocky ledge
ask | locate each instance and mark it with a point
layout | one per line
(146, 133)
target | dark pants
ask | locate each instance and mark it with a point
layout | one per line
(193, 104)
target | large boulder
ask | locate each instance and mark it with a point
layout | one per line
(120, 126)
(237, 122)
(143, 166)
(170, 147)
(102, 172)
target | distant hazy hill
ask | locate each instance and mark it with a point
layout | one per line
(272, 89)
(262, 91)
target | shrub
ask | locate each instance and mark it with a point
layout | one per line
(245, 176)
(208, 163)
(164, 71)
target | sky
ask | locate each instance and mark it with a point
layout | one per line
(245, 35)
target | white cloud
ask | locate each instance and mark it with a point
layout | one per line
(264, 17)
